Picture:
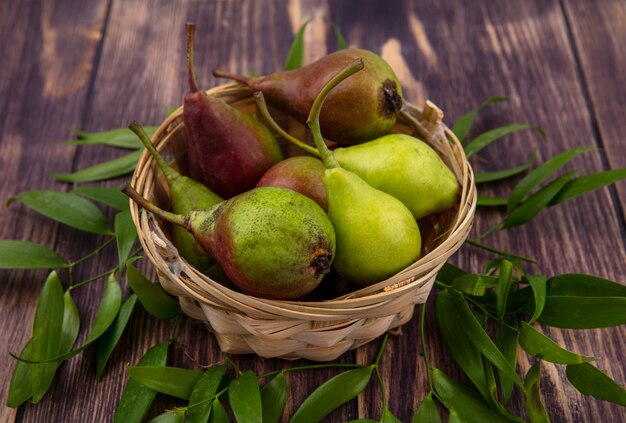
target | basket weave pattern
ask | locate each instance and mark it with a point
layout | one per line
(315, 330)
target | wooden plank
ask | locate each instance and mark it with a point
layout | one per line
(143, 74)
(450, 53)
(598, 32)
(48, 56)
(458, 56)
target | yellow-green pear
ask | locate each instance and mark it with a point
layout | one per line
(405, 167)
(376, 234)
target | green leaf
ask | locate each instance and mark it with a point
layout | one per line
(538, 345)
(474, 284)
(534, 406)
(462, 317)
(137, 399)
(505, 281)
(481, 178)
(296, 50)
(28, 255)
(107, 311)
(121, 138)
(388, 417)
(449, 272)
(536, 202)
(462, 126)
(486, 138)
(21, 387)
(572, 312)
(245, 398)
(455, 334)
(154, 299)
(507, 340)
(466, 402)
(331, 394)
(573, 284)
(47, 334)
(427, 411)
(218, 413)
(69, 209)
(591, 381)
(125, 234)
(273, 398)
(199, 408)
(455, 417)
(539, 285)
(110, 196)
(587, 183)
(173, 381)
(112, 335)
(540, 174)
(107, 170)
(170, 416)
(487, 201)
(341, 40)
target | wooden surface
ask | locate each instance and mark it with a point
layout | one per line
(96, 65)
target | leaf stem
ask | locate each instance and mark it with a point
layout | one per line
(426, 360)
(92, 279)
(477, 244)
(232, 363)
(91, 254)
(312, 366)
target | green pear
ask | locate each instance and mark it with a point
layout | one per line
(185, 195)
(271, 242)
(405, 167)
(398, 164)
(376, 234)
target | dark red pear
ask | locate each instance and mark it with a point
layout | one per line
(360, 109)
(227, 150)
(303, 174)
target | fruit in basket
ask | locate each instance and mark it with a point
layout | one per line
(227, 150)
(185, 195)
(359, 109)
(271, 242)
(304, 174)
(398, 164)
(377, 235)
(406, 168)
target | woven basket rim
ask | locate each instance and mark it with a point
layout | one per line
(342, 307)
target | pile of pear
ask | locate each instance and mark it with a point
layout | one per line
(273, 227)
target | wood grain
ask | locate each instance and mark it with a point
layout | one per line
(102, 65)
(602, 55)
(43, 96)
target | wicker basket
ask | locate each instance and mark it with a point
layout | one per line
(318, 330)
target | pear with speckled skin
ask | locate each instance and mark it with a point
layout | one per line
(271, 242)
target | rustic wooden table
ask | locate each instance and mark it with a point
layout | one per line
(96, 65)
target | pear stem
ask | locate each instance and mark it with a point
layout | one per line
(262, 106)
(219, 73)
(314, 115)
(168, 171)
(191, 29)
(176, 219)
